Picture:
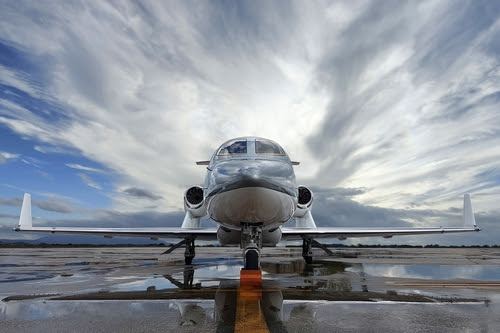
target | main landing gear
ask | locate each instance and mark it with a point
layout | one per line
(251, 242)
(307, 245)
(189, 252)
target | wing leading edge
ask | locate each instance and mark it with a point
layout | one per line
(26, 224)
(469, 225)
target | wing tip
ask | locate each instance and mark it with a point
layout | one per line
(468, 213)
(25, 219)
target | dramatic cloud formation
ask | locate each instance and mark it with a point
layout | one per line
(391, 106)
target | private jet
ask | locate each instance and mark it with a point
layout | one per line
(250, 191)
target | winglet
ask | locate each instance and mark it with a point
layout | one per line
(468, 217)
(25, 221)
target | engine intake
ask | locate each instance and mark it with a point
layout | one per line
(302, 215)
(305, 198)
(194, 196)
(194, 201)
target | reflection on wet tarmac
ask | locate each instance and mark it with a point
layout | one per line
(150, 295)
(434, 272)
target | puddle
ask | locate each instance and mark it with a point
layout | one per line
(431, 272)
(26, 277)
(206, 272)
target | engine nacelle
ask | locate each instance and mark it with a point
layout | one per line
(194, 201)
(305, 201)
(303, 216)
(233, 237)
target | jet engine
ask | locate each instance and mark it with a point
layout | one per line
(194, 201)
(233, 237)
(305, 201)
(303, 217)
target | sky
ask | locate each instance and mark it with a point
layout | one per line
(392, 107)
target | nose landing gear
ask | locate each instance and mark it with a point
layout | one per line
(251, 242)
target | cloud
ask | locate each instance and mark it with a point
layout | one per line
(52, 204)
(4, 157)
(89, 181)
(391, 103)
(117, 219)
(11, 202)
(82, 167)
(53, 149)
(390, 110)
(19, 80)
(140, 193)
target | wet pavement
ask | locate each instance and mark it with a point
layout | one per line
(139, 290)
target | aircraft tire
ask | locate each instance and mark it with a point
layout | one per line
(309, 260)
(252, 260)
(188, 260)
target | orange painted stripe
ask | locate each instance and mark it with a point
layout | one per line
(249, 316)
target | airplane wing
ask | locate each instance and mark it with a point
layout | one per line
(26, 224)
(469, 224)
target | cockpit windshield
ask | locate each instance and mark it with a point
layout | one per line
(238, 146)
(267, 147)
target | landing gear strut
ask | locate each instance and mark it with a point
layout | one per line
(307, 250)
(307, 245)
(251, 242)
(188, 252)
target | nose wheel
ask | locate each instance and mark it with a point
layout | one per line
(252, 259)
(251, 242)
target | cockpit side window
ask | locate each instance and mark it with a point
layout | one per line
(267, 147)
(233, 147)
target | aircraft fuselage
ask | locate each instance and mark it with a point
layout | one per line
(250, 181)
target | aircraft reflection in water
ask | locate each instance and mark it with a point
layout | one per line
(275, 305)
(250, 191)
(256, 305)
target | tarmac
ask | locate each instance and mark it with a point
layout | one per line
(138, 289)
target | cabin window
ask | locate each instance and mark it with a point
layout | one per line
(267, 147)
(233, 147)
